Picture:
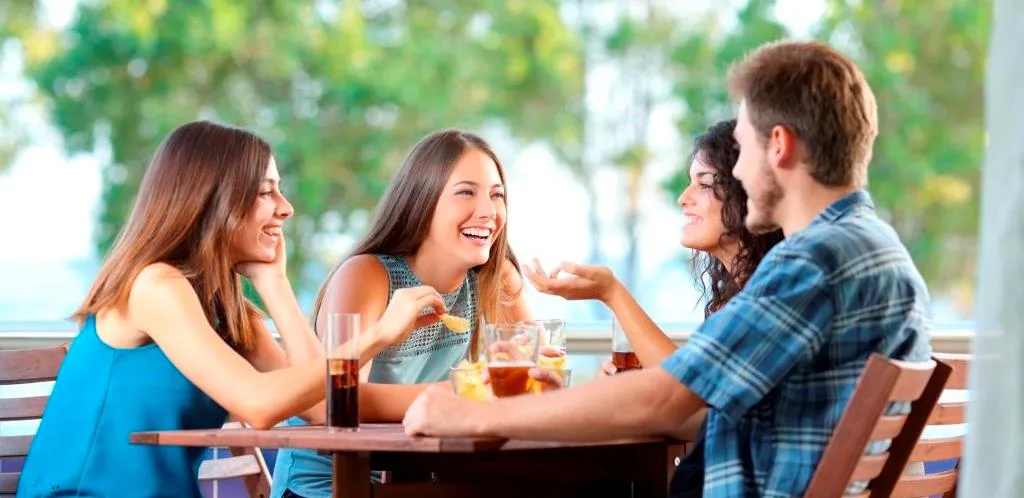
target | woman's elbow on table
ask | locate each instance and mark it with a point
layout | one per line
(262, 424)
(264, 406)
(260, 412)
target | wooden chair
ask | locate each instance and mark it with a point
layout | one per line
(246, 464)
(947, 412)
(884, 381)
(24, 367)
(42, 365)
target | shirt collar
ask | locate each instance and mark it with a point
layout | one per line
(844, 205)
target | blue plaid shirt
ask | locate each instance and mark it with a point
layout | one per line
(779, 362)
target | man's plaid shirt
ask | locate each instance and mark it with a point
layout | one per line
(779, 362)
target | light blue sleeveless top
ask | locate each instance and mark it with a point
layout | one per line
(422, 358)
(102, 395)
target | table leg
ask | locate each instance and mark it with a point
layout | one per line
(676, 452)
(654, 478)
(351, 475)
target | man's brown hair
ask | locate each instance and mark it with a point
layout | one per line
(818, 94)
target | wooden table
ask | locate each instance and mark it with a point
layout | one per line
(463, 466)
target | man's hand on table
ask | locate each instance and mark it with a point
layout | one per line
(438, 411)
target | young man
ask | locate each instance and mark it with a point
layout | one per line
(777, 365)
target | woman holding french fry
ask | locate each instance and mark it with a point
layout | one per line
(441, 224)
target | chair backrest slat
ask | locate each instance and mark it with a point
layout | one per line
(888, 427)
(869, 467)
(247, 464)
(31, 365)
(22, 408)
(902, 446)
(883, 382)
(8, 483)
(960, 363)
(14, 446)
(948, 413)
(42, 365)
(228, 468)
(23, 367)
(911, 383)
(945, 413)
(257, 482)
(931, 450)
(927, 485)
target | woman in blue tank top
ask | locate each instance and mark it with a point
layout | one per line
(442, 223)
(169, 342)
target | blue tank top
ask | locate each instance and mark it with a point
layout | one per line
(425, 356)
(102, 394)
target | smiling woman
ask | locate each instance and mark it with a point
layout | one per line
(715, 207)
(260, 234)
(168, 340)
(440, 228)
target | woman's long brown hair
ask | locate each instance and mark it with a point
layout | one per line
(401, 221)
(196, 193)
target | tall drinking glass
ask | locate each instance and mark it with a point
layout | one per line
(552, 332)
(342, 351)
(623, 356)
(511, 353)
(551, 342)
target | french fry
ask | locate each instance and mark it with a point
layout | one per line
(455, 323)
(554, 362)
(532, 386)
(469, 382)
(466, 365)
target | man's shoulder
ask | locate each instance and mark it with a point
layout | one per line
(854, 241)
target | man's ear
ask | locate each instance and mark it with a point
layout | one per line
(783, 148)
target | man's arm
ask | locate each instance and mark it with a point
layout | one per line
(692, 427)
(737, 356)
(634, 404)
(744, 350)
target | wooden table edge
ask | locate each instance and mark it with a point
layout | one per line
(258, 438)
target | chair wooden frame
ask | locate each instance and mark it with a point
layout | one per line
(929, 450)
(247, 464)
(42, 365)
(865, 420)
(24, 367)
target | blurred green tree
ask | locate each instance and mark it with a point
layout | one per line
(638, 48)
(573, 138)
(700, 60)
(18, 21)
(925, 63)
(18, 17)
(341, 90)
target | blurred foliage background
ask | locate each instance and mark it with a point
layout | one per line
(343, 88)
